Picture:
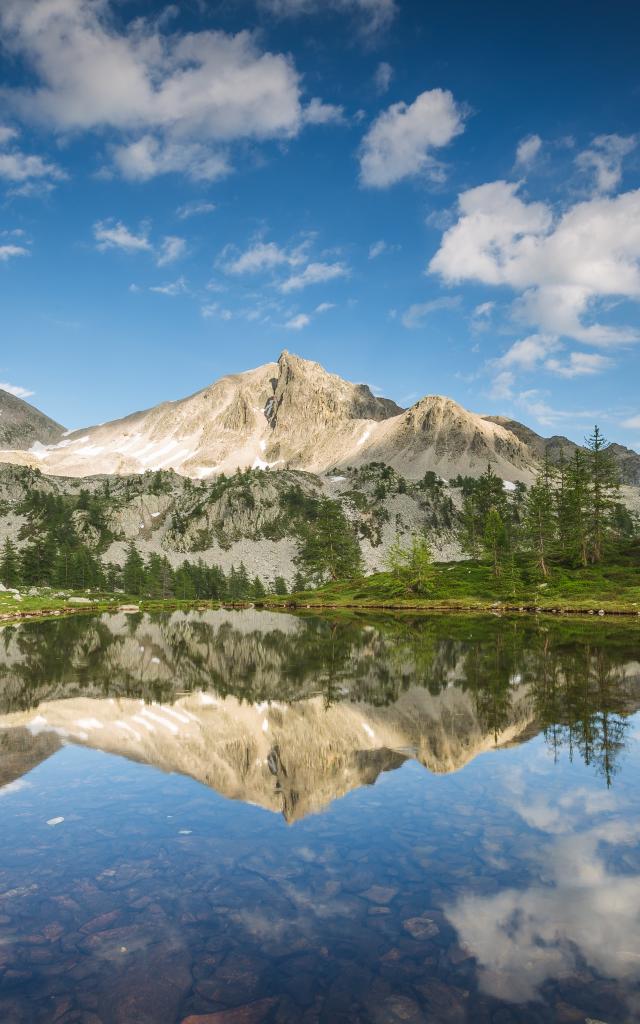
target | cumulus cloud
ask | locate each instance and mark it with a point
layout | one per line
(377, 249)
(383, 77)
(27, 172)
(172, 248)
(400, 141)
(177, 100)
(317, 112)
(416, 315)
(579, 364)
(110, 234)
(16, 390)
(604, 159)
(373, 15)
(314, 273)
(558, 266)
(527, 151)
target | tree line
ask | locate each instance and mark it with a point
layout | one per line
(572, 514)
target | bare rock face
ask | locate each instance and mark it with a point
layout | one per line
(22, 425)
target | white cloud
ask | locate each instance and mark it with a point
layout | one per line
(324, 307)
(20, 167)
(111, 234)
(173, 248)
(536, 406)
(383, 77)
(579, 364)
(150, 156)
(261, 256)
(373, 15)
(528, 149)
(178, 287)
(317, 112)
(633, 422)
(7, 134)
(16, 390)
(528, 353)
(400, 141)
(314, 273)
(416, 315)
(297, 323)
(176, 100)
(377, 249)
(604, 159)
(7, 252)
(559, 266)
(197, 208)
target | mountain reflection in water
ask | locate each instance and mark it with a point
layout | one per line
(505, 892)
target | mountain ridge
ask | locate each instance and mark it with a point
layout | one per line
(291, 414)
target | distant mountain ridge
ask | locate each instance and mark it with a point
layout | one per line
(628, 460)
(290, 414)
(22, 425)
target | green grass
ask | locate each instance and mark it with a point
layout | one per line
(472, 585)
(46, 604)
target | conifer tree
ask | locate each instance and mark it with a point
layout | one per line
(9, 565)
(495, 540)
(540, 523)
(603, 491)
(133, 572)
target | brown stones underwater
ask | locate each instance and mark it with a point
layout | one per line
(476, 859)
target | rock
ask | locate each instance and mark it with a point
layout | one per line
(250, 1013)
(380, 894)
(421, 928)
(129, 609)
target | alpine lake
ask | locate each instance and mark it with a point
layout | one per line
(255, 817)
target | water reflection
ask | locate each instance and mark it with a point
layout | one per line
(507, 891)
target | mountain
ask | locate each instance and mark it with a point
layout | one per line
(286, 415)
(22, 425)
(628, 461)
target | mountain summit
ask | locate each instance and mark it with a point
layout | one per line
(291, 414)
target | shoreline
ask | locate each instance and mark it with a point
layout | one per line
(497, 609)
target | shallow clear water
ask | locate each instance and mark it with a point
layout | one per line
(242, 817)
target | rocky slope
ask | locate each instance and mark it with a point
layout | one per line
(22, 425)
(286, 415)
(255, 518)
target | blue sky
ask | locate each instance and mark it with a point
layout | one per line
(438, 200)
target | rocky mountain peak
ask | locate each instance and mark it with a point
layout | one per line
(306, 393)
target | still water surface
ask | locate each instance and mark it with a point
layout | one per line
(245, 817)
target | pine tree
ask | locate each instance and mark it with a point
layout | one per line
(495, 540)
(258, 589)
(280, 586)
(540, 520)
(9, 565)
(576, 505)
(603, 491)
(330, 548)
(133, 572)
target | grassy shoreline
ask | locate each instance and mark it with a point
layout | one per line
(456, 588)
